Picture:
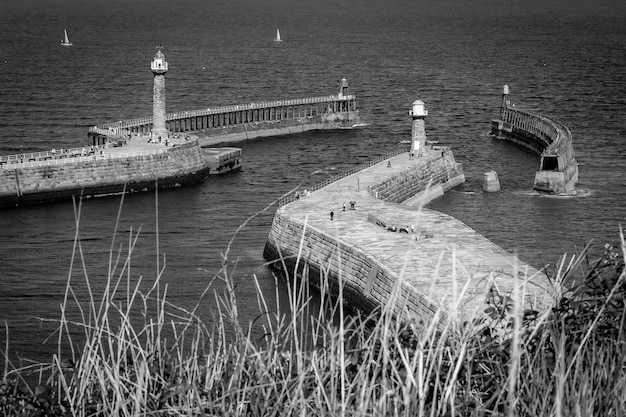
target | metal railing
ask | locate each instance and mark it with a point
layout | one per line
(75, 158)
(341, 175)
(556, 134)
(108, 128)
(51, 154)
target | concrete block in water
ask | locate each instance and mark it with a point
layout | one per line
(491, 183)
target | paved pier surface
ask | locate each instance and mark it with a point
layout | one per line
(133, 145)
(443, 256)
(132, 165)
(141, 144)
(118, 147)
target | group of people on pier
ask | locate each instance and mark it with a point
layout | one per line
(352, 204)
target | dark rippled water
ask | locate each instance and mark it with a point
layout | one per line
(565, 60)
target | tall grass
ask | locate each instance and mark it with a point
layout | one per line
(137, 354)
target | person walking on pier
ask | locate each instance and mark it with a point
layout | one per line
(331, 215)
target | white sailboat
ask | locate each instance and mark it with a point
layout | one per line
(66, 41)
(277, 39)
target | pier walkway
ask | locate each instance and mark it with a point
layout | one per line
(123, 148)
(442, 264)
(245, 121)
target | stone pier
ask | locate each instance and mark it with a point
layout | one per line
(134, 166)
(390, 250)
(240, 122)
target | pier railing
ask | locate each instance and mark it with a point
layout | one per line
(121, 127)
(343, 174)
(66, 156)
(555, 136)
(25, 157)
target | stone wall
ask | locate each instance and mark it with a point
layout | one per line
(440, 173)
(99, 175)
(238, 133)
(367, 283)
(558, 169)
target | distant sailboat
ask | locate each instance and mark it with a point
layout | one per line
(66, 41)
(277, 39)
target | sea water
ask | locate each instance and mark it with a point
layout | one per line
(563, 59)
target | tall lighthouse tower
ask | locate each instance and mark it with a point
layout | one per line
(418, 129)
(159, 68)
(505, 104)
(343, 88)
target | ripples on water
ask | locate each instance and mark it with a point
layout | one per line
(453, 57)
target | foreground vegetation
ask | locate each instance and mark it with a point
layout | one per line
(317, 359)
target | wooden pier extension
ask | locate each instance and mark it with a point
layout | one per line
(246, 121)
(558, 170)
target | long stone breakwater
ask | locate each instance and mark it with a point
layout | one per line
(98, 170)
(558, 169)
(367, 231)
(216, 125)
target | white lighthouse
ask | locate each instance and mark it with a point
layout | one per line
(505, 104)
(343, 88)
(418, 129)
(159, 68)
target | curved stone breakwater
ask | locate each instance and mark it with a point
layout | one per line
(558, 170)
(389, 250)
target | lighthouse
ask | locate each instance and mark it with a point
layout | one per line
(159, 68)
(505, 104)
(418, 129)
(343, 88)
